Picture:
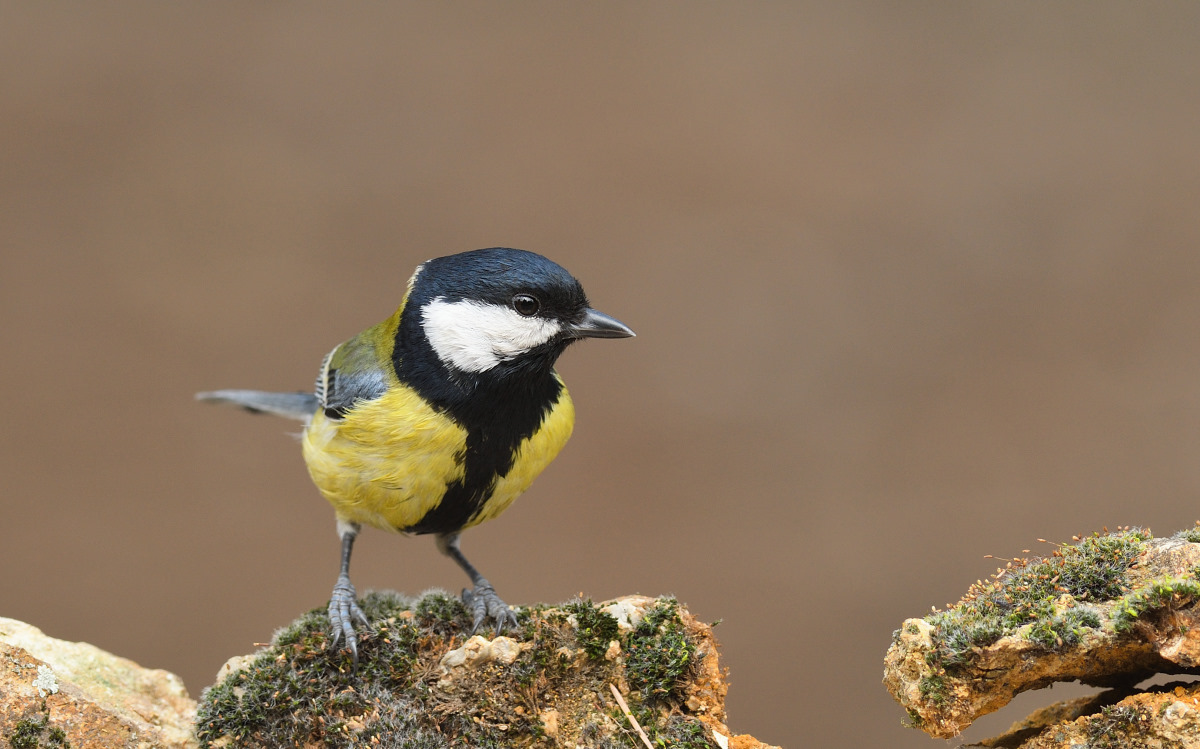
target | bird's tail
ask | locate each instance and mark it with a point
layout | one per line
(299, 406)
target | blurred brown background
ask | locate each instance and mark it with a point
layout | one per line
(913, 283)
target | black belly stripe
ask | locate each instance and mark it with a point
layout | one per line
(466, 496)
(493, 437)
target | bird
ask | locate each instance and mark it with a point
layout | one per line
(437, 418)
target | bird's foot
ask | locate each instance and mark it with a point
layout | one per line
(483, 603)
(343, 611)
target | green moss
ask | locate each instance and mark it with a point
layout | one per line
(1160, 594)
(658, 652)
(300, 692)
(37, 733)
(310, 625)
(440, 612)
(1191, 535)
(552, 639)
(299, 673)
(680, 733)
(594, 736)
(1094, 570)
(27, 733)
(596, 628)
(676, 732)
(1116, 727)
(914, 719)
(933, 689)
(1029, 593)
(1065, 629)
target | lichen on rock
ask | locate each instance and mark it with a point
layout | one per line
(423, 681)
(55, 693)
(1109, 609)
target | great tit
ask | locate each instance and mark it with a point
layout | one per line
(437, 418)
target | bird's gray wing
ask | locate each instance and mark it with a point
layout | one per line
(349, 374)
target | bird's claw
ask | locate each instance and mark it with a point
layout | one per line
(343, 612)
(483, 603)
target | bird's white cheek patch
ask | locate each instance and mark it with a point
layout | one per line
(474, 336)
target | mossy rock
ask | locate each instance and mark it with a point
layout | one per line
(1109, 609)
(553, 690)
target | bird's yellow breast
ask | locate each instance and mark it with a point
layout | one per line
(391, 459)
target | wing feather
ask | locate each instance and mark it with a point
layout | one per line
(349, 374)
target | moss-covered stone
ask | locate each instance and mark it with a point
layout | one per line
(1155, 596)
(933, 688)
(1116, 727)
(1041, 592)
(1191, 535)
(658, 653)
(1110, 609)
(552, 690)
(595, 629)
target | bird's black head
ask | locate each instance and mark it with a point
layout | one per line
(498, 313)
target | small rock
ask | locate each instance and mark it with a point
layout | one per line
(232, 666)
(746, 741)
(628, 611)
(549, 720)
(576, 657)
(1178, 713)
(613, 652)
(476, 652)
(505, 650)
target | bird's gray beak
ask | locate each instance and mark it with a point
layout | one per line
(596, 324)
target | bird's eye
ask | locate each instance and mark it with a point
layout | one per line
(526, 305)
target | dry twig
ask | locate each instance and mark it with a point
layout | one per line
(632, 720)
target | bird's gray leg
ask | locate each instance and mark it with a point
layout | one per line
(482, 602)
(343, 604)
